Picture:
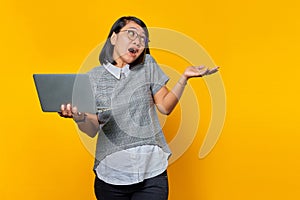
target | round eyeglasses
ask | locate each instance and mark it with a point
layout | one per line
(132, 35)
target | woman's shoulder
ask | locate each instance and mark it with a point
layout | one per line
(96, 69)
(149, 59)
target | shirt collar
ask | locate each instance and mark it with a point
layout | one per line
(116, 71)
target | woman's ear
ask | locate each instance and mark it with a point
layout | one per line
(113, 38)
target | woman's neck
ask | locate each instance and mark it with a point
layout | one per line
(120, 63)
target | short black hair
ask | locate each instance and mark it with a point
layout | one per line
(106, 54)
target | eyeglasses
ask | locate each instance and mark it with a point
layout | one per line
(132, 35)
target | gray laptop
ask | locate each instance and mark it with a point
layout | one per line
(56, 89)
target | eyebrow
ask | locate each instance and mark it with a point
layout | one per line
(136, 29)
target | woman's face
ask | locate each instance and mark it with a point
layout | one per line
(129, 43)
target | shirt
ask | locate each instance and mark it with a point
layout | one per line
(135, 164)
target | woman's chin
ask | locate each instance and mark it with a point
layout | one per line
(129, 58)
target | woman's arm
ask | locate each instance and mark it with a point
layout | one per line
(166, 100)
(86, 122)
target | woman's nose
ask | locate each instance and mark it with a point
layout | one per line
(137, 41)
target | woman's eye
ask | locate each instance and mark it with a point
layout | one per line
(131, 33)
(143, 39)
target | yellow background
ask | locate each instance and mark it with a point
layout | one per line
(256, 43)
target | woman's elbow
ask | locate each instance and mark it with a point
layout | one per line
(163, 110)
(90, 132)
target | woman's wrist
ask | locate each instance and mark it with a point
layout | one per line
(183, 80)
(79, 117)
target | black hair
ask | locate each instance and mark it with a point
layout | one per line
(106, 54)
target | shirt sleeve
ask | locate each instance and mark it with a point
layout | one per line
(158, 78)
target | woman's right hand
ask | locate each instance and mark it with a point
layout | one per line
(86, 122)
(67, 111)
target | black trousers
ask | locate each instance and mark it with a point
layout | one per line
(156, 188)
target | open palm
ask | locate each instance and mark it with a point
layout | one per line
(201, 71)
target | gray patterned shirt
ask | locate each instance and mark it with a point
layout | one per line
(131, 120)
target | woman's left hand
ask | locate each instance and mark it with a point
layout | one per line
(201, 71)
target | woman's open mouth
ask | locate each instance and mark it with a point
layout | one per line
(133, 51)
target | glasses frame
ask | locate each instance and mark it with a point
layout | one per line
(136, 34)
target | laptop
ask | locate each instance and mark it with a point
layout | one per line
(56, 89)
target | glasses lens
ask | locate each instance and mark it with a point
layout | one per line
(143, 40)
(132, 35)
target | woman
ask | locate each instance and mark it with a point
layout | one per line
(131, 154)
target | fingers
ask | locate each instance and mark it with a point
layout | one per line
(213, 70)
(200, 67)
(67, 110)
(74, 110)
(203, 71)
